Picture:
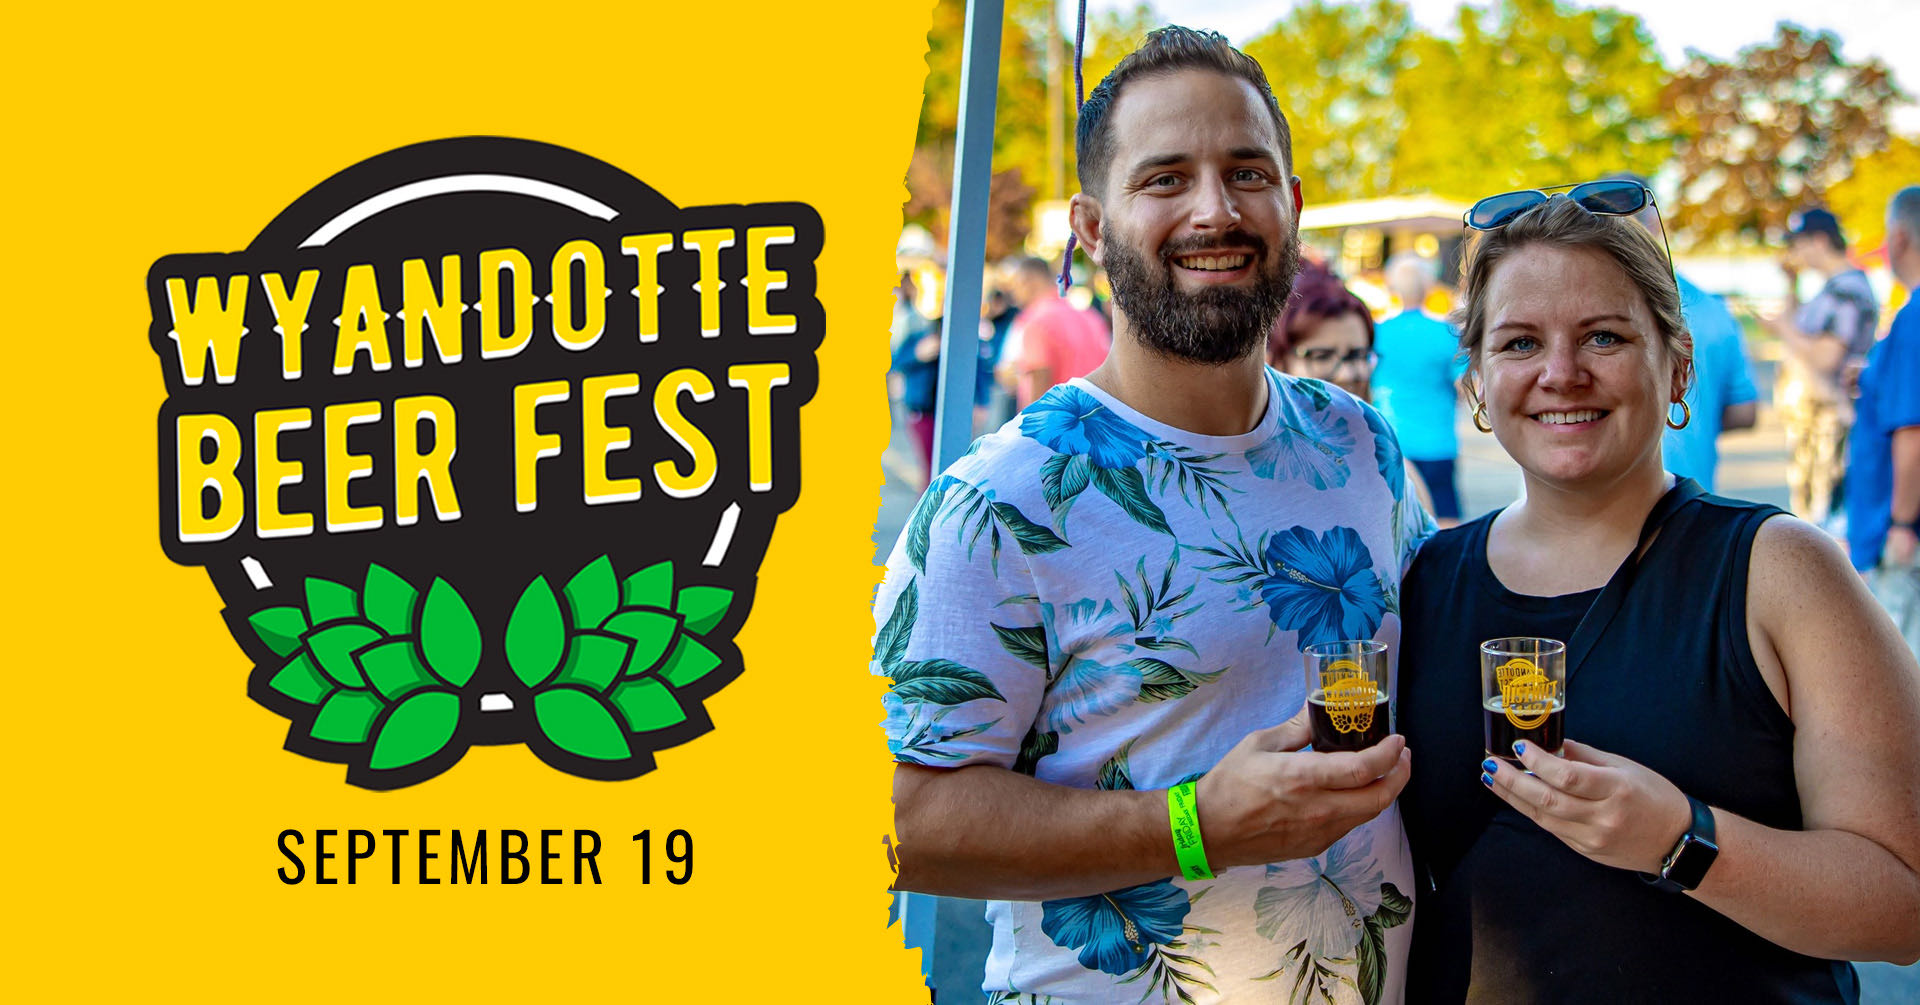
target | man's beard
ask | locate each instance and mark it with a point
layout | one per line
(1216, 324)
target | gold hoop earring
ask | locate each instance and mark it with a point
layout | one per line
(1480, 420)
(1686, 415)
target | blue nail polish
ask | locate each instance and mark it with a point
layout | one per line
(1519, 748)
(1489, 765)
(1487, 781)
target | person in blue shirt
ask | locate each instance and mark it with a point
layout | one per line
(1415, 382)
(1883, 475)
(1722, 397)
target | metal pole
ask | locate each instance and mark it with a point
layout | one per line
(960, 331)
(967, 233)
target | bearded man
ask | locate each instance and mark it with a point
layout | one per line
(1093, 621)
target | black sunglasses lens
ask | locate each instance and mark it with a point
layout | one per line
(1613, 198)
(1496, 211)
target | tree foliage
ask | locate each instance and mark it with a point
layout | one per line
(1860, 199)
(1770, 132)
(1533, 92)
(1334, 69)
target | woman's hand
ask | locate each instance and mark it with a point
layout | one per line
(1605, 807)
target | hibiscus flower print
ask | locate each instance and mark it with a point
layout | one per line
(1070, 421)
(1117, 932)
(1323, 586)
(1081, 687)
(1326, 899)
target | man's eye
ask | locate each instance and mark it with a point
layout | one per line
(1164, 181)
(1248, 175)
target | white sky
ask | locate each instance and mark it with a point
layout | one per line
(1887, 29)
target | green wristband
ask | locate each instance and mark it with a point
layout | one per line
(1183, 814)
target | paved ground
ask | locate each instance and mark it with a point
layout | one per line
(1752, 466)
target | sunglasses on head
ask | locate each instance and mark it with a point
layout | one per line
(1603, 198)
(1613, 197)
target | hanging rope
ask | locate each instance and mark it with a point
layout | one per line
(1079, 98)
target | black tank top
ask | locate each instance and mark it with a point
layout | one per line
(1508, 913)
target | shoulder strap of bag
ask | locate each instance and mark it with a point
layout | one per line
(1594, 623)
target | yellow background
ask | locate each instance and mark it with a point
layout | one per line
(146, 790)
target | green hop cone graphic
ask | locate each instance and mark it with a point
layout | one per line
(382, 667)
(609, 662)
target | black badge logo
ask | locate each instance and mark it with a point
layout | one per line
(482, 441)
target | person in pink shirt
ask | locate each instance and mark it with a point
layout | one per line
(1052, 340)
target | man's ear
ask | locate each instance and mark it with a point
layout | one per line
(1083, 215)
(1299, 197)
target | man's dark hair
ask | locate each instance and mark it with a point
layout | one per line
(1166, 50)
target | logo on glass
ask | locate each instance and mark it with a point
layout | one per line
(1351, 696)
(1526, 694)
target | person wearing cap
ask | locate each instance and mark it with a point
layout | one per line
(1826, 341)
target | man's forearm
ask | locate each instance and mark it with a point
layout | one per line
(985, 832)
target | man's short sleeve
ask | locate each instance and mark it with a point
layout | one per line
(959, 631)
(1897, 404)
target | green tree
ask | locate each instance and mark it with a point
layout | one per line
(1534, 92)
(1770, 132)
(1333, 68)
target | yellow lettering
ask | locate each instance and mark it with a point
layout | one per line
(762, 281)
(709, 243)
(599, 439)
(343, 467)
(496, 341)
(271, 473)
(529, 444)
(421, 309)
(410, 466)
(363, 325)
(759, 380)
(196, 476)
(666, 408)
(204, 326)
(290, 314)
(646, 249)
(593, 295)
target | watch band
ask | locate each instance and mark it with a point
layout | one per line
(1686, 865)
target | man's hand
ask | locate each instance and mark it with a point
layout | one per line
(1269, 801)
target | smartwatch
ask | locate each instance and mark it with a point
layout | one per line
(1687, 864)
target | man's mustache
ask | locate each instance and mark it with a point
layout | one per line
(1250, 244)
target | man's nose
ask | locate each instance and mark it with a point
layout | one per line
(1214, 207)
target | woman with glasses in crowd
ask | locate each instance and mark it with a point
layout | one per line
(1326, 333)
(1736, 806)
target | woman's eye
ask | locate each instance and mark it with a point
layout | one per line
(1523, 343)
(1604, 339)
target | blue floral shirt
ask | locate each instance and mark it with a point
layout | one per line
(1100, 600)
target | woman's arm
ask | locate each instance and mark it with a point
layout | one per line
(1847, 886)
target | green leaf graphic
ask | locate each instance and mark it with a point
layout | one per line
(920, 526)
(1395, 907)
(1064, 476)
(280, 628)
(449, 637)
(578, 723)
(1032, 537)
(347, 717)
(690, 661)
(942, 682)
(1129, 492)
(592, 594)
(418, 728)
(536, 634)
(389, 600)
(1162, 681)
(330, 601)
(301, 680)
(650, 587)
(1028, 644)
(702, 607)
(594, 660)
(394, 668)
(890, 646)
(647, 705)
(333, 647)
(1371, 976)
(652, 633)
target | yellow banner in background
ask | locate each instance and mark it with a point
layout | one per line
(162, 841)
